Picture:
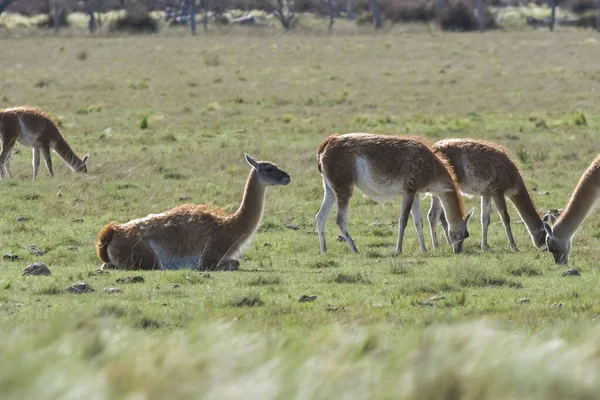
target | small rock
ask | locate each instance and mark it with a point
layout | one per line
(266, 244)
(100, 272)
(340, 238)
(571, 272)
(36, 269)
(34, 251)
(305, 299)
(11, 257)
(175, 286)
(112, 290)
(293, 227)
(130, 279)
(19, 304)
(206, 275)
(22, 218)
(556, 305)
(543, 193)
(80, 287)
(523, 300)
(71, 247)
(376, 224)
(334, 308)
(144, 149)
(77, 220)
(184, 198)
(422, 304)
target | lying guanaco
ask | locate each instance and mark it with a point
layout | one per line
(191, 236)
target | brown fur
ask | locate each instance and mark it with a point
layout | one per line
(385, 166)
(33, 127)
(487, 169)
(560, 236)
(189, 235)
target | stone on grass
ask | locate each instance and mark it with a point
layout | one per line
(130, 279)
(112, 290)
(37, 269)
(305, 299)
(571, 272)
(79, 288)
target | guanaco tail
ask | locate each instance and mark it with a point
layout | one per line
(191, 236)
(486, 169)
(383, 167)
(559, 236)
(33, 127)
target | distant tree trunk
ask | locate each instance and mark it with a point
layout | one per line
(56, 16)
(205, 18)
(350, 8)
(331, 15)
(598, 18)
(440, 5)
(553, 16)
(4, 4)
(374, 5)
(92, 21)
(193, 17)
(481, 15)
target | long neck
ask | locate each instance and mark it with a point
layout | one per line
(529, 214)
(585, 195)
(248, 215)
(60, 145)
(453, 207)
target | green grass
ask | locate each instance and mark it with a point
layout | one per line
(382, 326)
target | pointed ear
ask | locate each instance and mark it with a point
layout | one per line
(547, 228)
(252, 161)
(469, 215)
(550, 218)
(85, 158)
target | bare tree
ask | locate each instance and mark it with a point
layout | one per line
(56, 16)
(4, 5)
(192, 8)
(285, 12)
(92, 7)
(553, 4)
(481, 15)
(331, 13)
(376, 11)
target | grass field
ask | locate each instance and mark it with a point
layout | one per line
(479, 325)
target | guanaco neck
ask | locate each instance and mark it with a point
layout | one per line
(529, 214)
(62, 148)
(453, 207)
(585, 195)
(247, 217)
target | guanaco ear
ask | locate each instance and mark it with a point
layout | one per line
(85, 158)
(547, 228)
(252, 161)
(550, 218)
(469, 215)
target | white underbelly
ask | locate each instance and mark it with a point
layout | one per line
(378, 188)
(168, 262)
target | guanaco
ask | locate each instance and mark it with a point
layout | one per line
(33, 127)
(486, 169)
(559, 236)
(191, 236)
(383, 167)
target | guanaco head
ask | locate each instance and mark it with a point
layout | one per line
(559, 247)
(83, 166)
(268, 173)
(459, 233)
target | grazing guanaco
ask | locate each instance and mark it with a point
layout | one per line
(559, 236)
(382, 167)
(191, 236)
(486, 169)
(33, 127)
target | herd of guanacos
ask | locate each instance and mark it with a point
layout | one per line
(381, 166)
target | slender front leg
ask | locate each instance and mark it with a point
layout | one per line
(445, 226)
(418, 221)
(321, 217)
(407, 202)
(432, 216)
(4, 157)
(342, 215)
(486, 210)
(502, 210)
(36, 162)
(47, 159)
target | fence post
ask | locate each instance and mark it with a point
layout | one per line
(193, 17)
(553, 16)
